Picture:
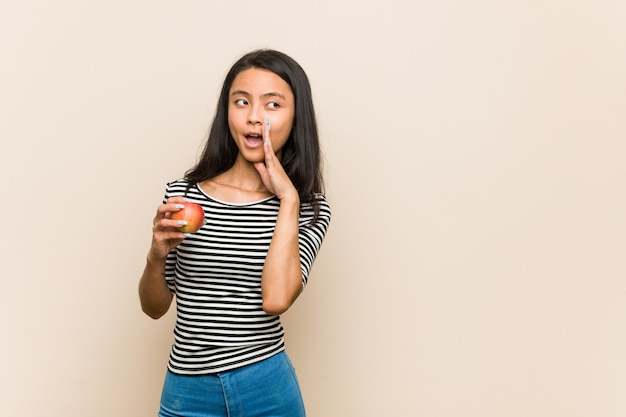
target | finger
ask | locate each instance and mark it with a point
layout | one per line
(261, 168)
(267, 142)
(177, 201)
(165, 225)
(173, 204)
(162, 223)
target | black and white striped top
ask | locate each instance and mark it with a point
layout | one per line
(216, 276)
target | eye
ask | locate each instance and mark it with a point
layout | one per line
(241, 102)
(273, 105)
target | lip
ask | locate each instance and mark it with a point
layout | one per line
(253, 139)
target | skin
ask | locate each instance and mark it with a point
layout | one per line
(256, 174)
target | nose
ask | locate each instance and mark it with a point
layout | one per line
(255, 115)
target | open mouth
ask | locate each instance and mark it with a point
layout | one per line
(253, 140)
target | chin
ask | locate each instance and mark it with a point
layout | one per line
(252, 157)
(255, 160)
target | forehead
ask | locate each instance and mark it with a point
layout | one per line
(257, 82)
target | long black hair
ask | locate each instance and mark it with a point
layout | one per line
(300, 156)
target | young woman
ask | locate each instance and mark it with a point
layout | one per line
(259, 182)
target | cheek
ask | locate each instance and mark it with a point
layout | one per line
(232, 124)
(284, 128)
(236, 116)
(280, 136)
(232, 118)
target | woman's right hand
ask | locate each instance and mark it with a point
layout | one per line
(165, 233)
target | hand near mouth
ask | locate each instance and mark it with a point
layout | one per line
(272, 172)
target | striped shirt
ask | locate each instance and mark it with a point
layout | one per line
(216, 277)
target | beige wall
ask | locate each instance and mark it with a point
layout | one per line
(475, 160)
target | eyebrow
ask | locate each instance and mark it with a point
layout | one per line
(270, 94)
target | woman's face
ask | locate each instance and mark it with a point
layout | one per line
(254, 95)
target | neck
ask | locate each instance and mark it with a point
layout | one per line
(243, 175)
(240, 184)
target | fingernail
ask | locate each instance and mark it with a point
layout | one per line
(182, 222)
(179, 206)
(267, 122)
(187, 234)
(187, 200)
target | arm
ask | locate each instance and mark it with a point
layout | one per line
(281, 282)
(154, 294)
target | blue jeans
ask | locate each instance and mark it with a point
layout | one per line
(265, 389)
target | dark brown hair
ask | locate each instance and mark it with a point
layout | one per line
(300, 156)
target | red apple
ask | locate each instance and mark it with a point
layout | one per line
(193, 214)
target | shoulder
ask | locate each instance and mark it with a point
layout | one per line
(322, 200)
(324, 205)
(177, 188)
(319, 204)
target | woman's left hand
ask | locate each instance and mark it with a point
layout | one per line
(272, 172)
